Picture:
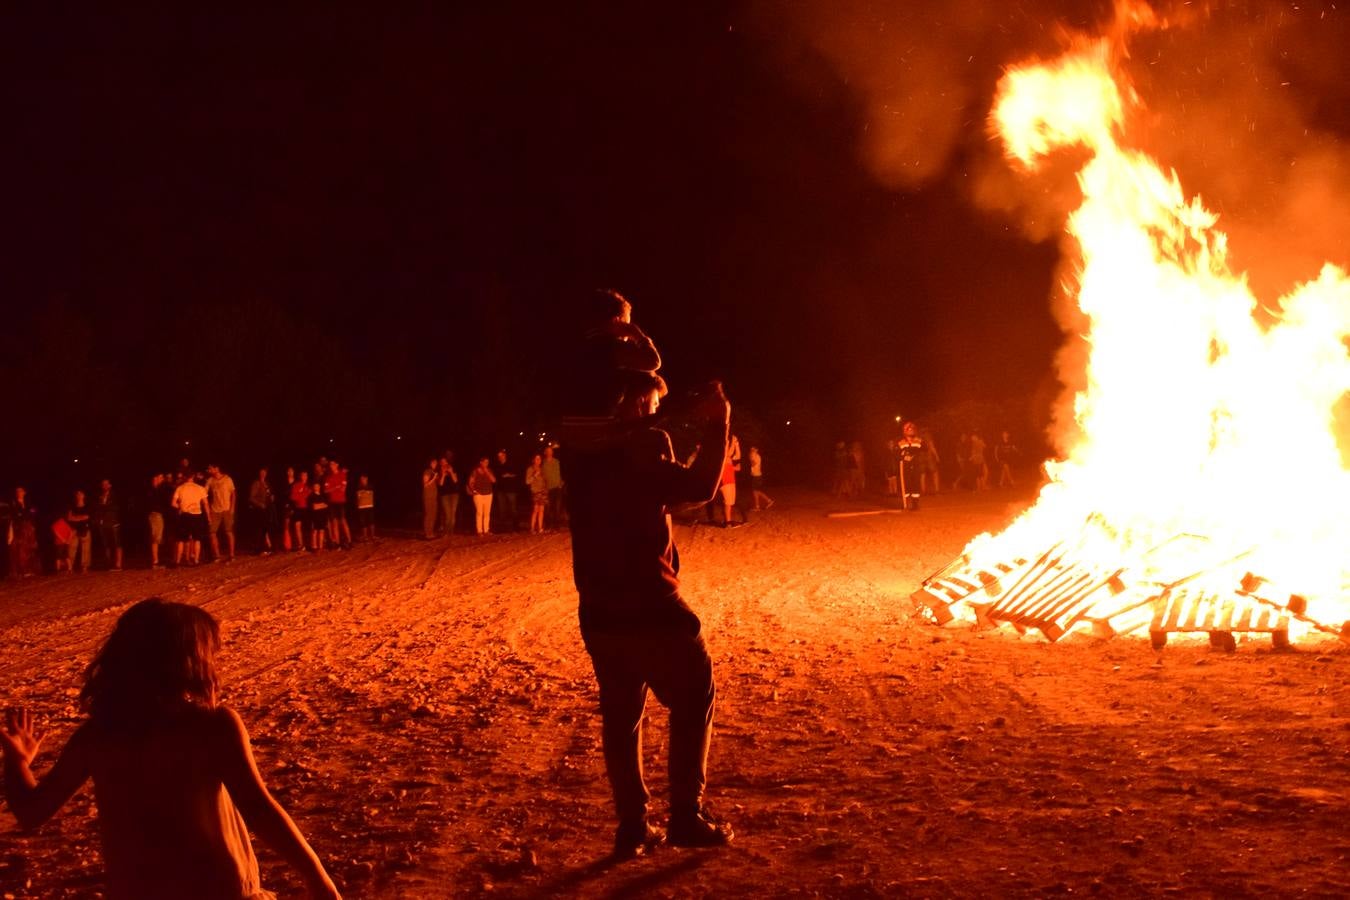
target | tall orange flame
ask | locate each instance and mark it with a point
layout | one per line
(1204, 413)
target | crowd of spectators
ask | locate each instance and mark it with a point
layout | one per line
(188, 516)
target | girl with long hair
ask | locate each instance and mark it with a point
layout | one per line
(172, 768)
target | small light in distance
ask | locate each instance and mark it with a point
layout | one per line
(788, 422)
(398, 437)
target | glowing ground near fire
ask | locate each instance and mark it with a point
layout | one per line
(427, 713)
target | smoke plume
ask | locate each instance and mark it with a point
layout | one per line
(1248, 100)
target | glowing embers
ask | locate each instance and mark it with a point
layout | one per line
(1073, 585)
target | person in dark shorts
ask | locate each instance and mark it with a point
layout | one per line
(192, 528)
(317, 512)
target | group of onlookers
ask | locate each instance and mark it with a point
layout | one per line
(309, 510)
(190, 511)
(499, 490)
(916, 455)
(495, 486)
(91, 519)
(972, 454)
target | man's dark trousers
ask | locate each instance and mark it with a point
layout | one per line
(677, 668)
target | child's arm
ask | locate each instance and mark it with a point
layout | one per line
(32, 802)
(262, 812)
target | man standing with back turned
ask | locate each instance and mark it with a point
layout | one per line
(638, 630)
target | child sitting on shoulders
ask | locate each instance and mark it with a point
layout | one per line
(172, 769)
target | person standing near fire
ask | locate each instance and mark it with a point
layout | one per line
(622, 478)
(913, 460)
(638, 630)
(932, 475)
(979, 466)
(1005, 455)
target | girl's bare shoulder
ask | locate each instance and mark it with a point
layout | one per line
(225, 719)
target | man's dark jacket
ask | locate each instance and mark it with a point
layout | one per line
(623, 554)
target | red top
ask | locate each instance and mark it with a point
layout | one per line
(335, 486)
(300, 495)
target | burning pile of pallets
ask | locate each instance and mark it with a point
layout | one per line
(1065, 588)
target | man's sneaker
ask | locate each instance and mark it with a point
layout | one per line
(698, 830)
(634, 839)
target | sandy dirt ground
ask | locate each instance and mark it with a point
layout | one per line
(426, 712)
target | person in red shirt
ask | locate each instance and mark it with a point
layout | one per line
(300, 507)
(335, 490)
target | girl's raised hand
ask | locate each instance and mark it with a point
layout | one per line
(18, 738)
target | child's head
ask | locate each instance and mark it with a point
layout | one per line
(609, 305)
(159, 656)
(365, 480)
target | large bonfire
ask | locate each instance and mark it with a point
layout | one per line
(1204, 488)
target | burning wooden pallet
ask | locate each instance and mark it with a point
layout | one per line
(960, 582)
(1053, 594)
(1218, 614)
(1061, 589)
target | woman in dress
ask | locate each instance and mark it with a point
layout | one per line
(538, 487)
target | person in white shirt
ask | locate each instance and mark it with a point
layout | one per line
(190, 502)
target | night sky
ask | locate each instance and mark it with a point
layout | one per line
(264, 231)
